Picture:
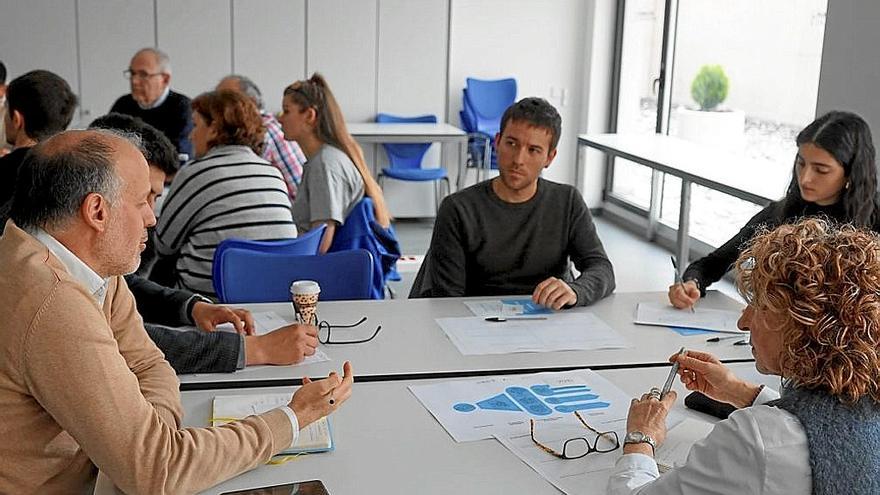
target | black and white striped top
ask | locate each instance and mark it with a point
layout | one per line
(229, 192)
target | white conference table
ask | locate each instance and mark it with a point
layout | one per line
(374, 132)
(412, 346)
(758, 181)
(387, 442)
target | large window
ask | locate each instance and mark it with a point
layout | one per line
(760, 58)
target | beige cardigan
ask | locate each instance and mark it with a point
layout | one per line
(83, 386)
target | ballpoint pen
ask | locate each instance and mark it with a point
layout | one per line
(668, 385)
(719, 339)
(678, 279)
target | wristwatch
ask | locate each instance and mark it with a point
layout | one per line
(639, 437)
(195, 298)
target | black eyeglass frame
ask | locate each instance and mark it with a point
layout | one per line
(591, 447)
(326, 325)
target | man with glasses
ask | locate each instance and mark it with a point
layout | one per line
(152, 100)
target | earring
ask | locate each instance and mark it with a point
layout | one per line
(847, 185)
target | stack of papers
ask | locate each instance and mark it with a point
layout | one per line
(316, 437)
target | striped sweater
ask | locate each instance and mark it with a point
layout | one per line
(229, 192)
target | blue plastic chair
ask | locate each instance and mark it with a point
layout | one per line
(483, 105)
(307, 243)
(248, 276)
(362, 231)
(406, 159)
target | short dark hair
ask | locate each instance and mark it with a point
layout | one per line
(537, 112)
(44, 99)
(2, 73)
(53, 180)
(157, 148)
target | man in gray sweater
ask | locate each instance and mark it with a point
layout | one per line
(518, 233)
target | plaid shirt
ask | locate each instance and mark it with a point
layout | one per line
(285, 155)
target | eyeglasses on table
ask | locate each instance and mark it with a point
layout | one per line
(325, 330)
(575, 448)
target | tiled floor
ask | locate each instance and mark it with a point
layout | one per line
(638, 265)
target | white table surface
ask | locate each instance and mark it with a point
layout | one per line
(373, 132)
(387, 442)
(718, 169)
(411, 345)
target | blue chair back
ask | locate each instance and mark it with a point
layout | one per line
(406, 155)
(307, 243)
(487, 100)
(362, 231)
(247, 276)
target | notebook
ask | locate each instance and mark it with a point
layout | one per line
(316, 437)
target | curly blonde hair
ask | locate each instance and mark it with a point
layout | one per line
(823, 281)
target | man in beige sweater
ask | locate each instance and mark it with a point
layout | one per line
(81, 384)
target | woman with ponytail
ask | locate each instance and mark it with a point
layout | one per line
(335, 177)
(834, 176)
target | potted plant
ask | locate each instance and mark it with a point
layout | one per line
(711, 124)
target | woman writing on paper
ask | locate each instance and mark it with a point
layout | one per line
(813, 292)
(834, 175)
(335, 177)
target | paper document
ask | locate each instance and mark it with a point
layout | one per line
(508, 308)
(264, 321)
(479, 408)
(679, 440)
(473, 335)
(316, 437)
(718, 320)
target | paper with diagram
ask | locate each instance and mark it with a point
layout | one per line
(508, 308)
(473, 335)
(717, 320)
(479, 408)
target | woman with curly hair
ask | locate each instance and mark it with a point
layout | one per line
(813, 292)
(335, 175)
(834, 175)
(227, 191)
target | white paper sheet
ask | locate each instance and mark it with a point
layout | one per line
(473, 335)
(679, 440)
(718, 320)
(268, 321)
(587, 475)
(479, 408)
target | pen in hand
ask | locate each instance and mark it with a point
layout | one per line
(678, 279)
(668, 385)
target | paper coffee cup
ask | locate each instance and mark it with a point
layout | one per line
(305, 294)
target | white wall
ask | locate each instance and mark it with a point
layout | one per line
(541, 44)
(850, 78)
(398, 56)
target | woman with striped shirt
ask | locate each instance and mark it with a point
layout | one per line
(228, 191)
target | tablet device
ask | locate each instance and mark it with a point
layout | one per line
(314, 487)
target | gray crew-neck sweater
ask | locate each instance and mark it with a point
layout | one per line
(484, 246)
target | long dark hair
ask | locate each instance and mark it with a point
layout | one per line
(314, 92)
(847, 137)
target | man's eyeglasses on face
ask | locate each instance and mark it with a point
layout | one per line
(130, 74)
(325, 329)
(575, 448)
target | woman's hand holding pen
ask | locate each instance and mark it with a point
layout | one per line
(684, 295)
(316, 399)
(703, 372)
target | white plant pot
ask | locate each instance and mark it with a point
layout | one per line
(723, 129)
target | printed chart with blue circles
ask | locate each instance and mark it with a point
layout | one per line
(538, 400)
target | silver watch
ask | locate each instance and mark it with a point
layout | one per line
(639, 437)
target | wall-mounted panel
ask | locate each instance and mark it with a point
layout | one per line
(342, 46)
(269, 44)
(197, 35)
(109, 35)
(39, 34)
